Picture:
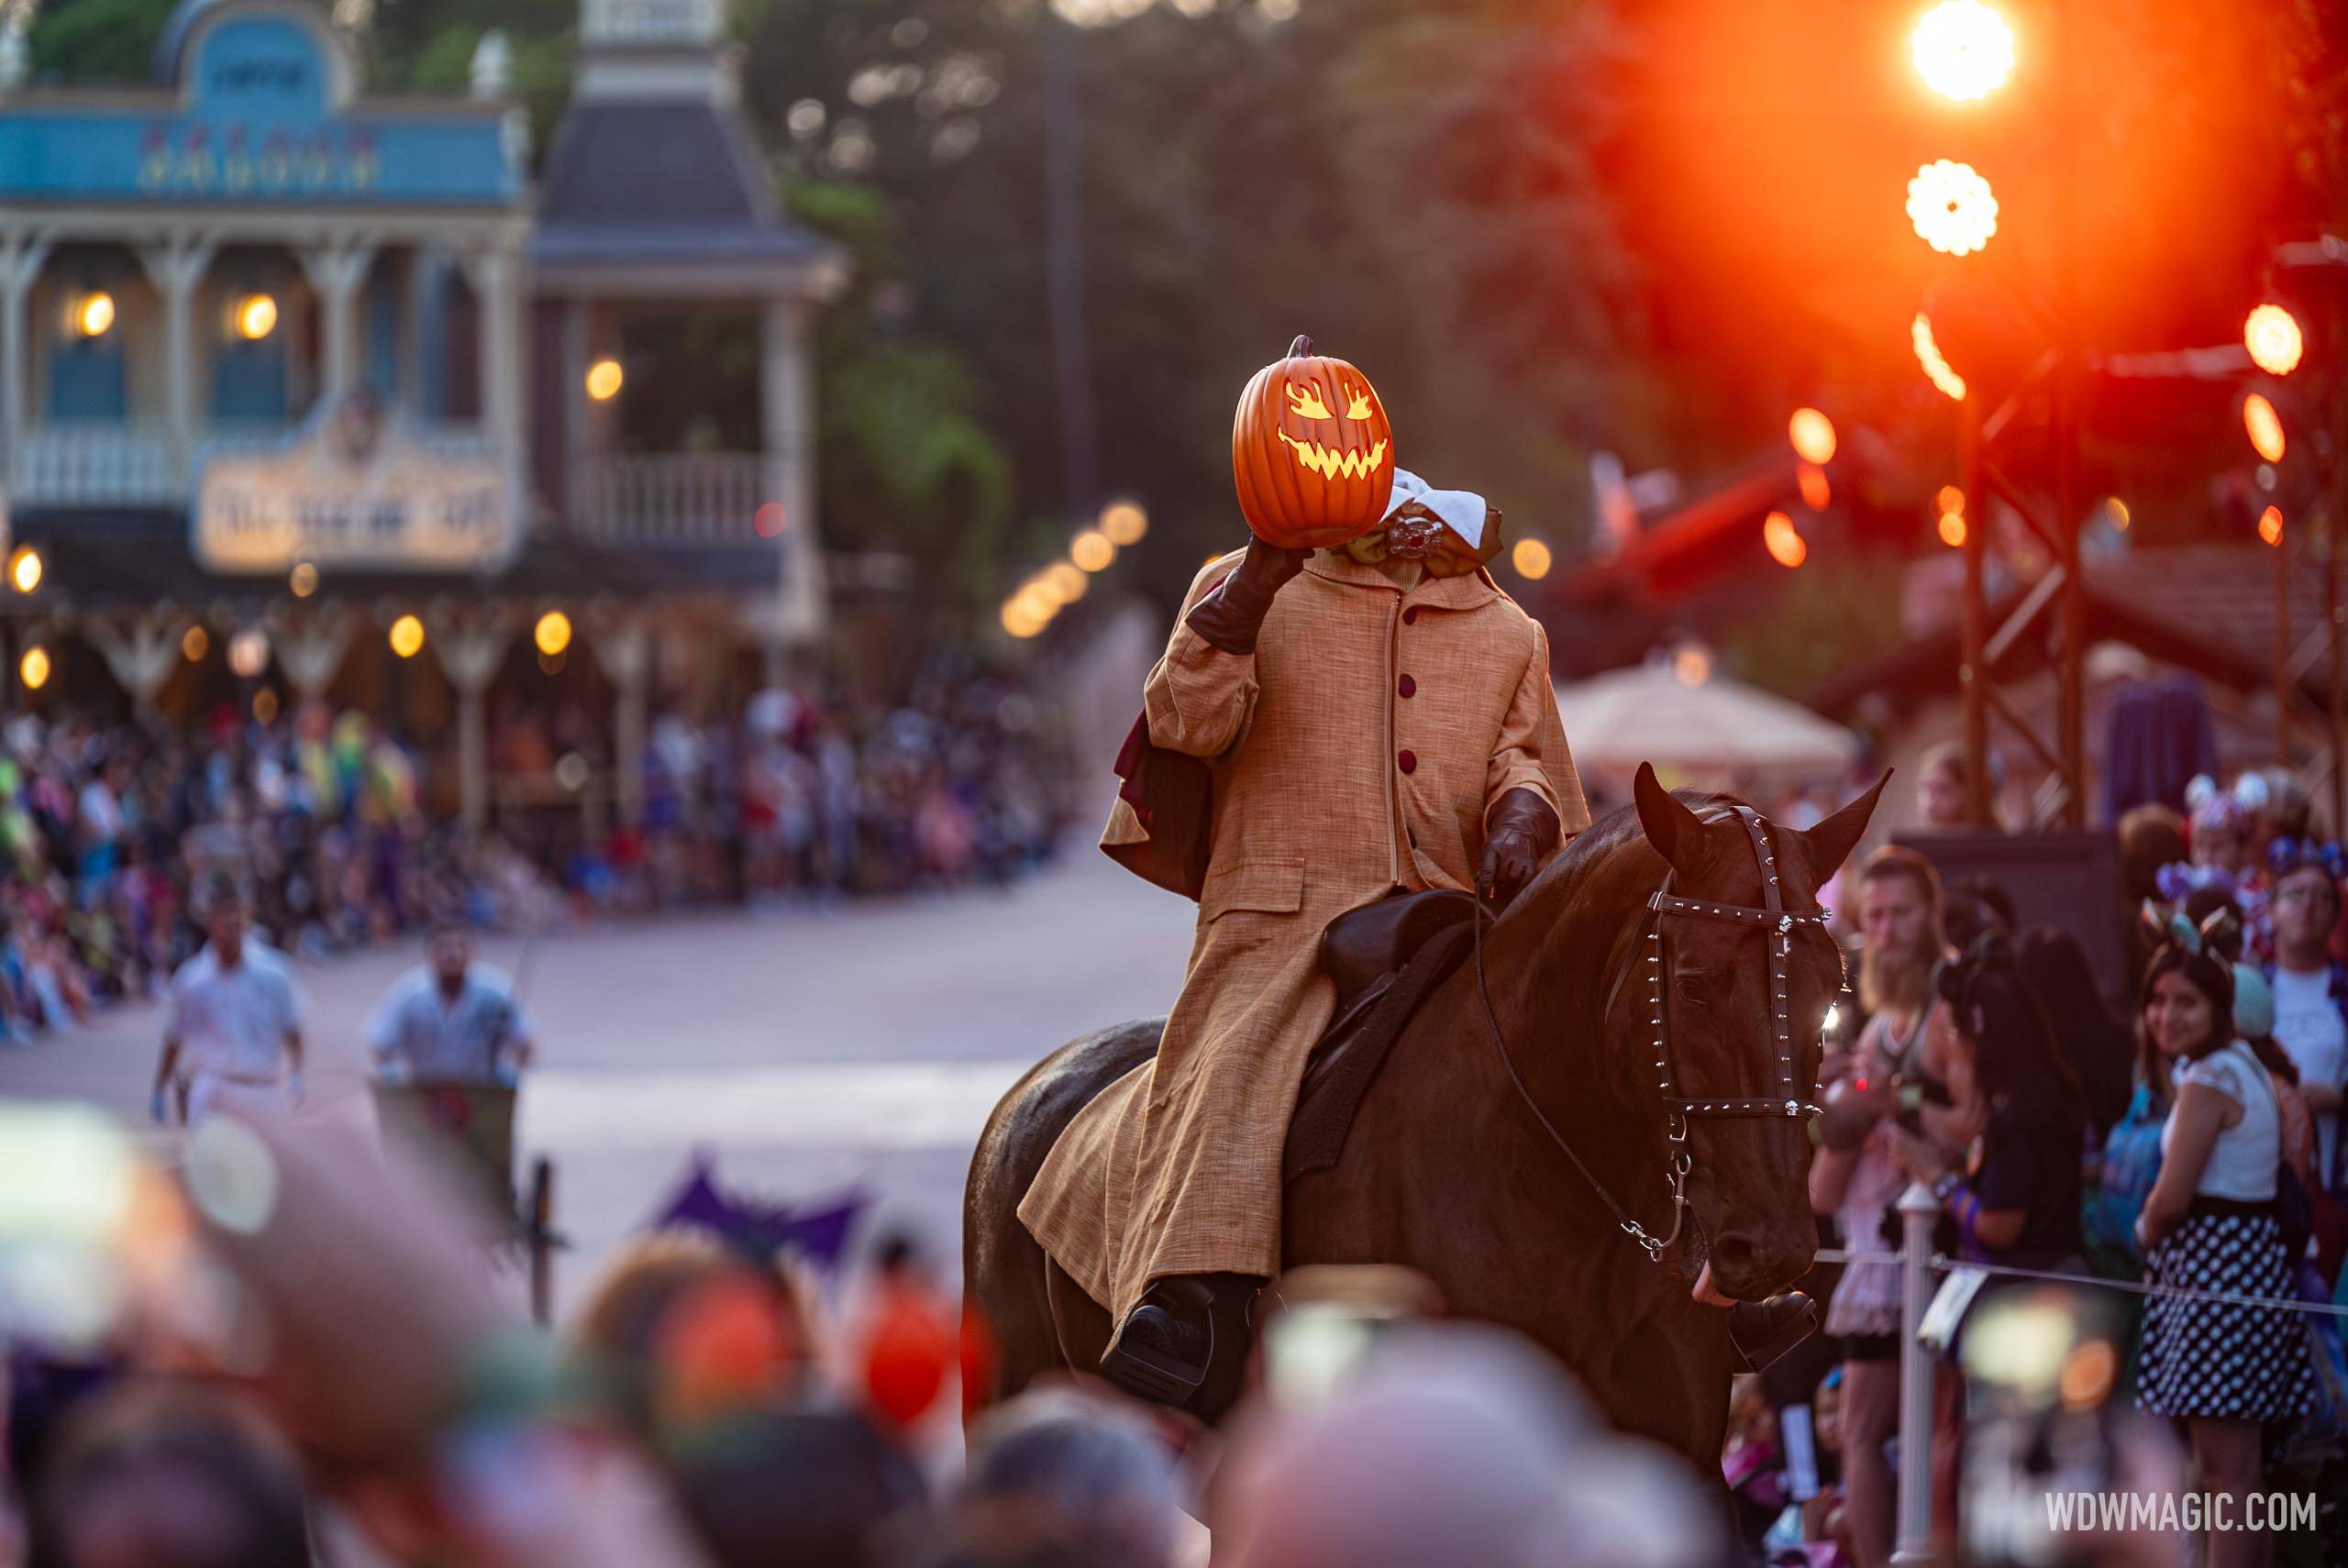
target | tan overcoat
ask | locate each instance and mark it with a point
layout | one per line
(1357, 749)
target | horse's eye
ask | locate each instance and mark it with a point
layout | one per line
(1692, 989)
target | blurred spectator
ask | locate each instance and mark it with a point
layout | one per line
(1944, 785)
(1455, 1445)
(1063, 1479)
(2095, 1044)
(162, 1476)
(681, 1332)
(908, 1343)
(2310, 990)
(1856, 1175)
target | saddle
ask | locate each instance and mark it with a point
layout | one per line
(1385, 957)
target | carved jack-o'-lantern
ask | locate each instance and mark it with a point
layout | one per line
(1311, 451)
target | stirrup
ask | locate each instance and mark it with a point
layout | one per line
(1151, 1374)
(1782, 1321)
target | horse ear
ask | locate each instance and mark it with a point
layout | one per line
(1670, 826)
(1832, 841)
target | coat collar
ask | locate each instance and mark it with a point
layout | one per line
(1463, 592)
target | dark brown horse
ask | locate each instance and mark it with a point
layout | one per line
(1448, 1168)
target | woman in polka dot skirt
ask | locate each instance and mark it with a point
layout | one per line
(2210, 1226)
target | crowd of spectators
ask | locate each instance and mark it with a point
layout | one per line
(109, 832)
(2187, 1147)
(712, 1405)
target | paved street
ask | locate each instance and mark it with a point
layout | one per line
(809, 1051)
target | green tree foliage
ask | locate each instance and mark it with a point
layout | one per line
(96, 41)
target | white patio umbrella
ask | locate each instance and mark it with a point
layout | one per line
(1697, 726)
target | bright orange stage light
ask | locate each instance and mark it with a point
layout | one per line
(1948, 498)
(2270, 525)
(2263, 425)
(1952, 208)
(1953, 530)
(2272, 335)
(1963, 49)
(1812, 434)
(1784, 543)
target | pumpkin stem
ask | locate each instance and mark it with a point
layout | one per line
(1301, 346)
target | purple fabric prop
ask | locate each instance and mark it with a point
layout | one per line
(818, 1231)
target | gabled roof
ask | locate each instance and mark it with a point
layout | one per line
(670, 185)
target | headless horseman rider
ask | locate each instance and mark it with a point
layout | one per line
(1364, 729)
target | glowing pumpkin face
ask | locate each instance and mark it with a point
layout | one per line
(1311, 454)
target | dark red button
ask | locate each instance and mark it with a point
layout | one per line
(1411, 616)
(1407, 687)
(1408, 762)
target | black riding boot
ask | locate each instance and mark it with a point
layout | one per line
(1761, 1331)
(1168, 1345)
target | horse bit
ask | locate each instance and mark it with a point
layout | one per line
(1779, 923)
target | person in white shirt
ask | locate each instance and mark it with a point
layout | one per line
(233, 1024)
(451, 1021)
(2309, 1021)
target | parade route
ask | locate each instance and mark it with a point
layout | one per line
(809, 1051)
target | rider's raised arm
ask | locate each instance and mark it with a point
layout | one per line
(1531, 752)
(1201, 696)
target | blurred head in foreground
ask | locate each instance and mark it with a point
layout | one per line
(1062, 1479)
(1456, 1443)
(154, 1475)
(684, 1332)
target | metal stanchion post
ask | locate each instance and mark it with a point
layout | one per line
(1919, 1211)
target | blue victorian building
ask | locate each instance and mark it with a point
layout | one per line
(281, 355)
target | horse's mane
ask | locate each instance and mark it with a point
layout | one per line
(1597, 843)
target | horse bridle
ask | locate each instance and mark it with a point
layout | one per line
(1790, 1101)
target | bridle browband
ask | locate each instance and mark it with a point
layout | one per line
(1778, 923)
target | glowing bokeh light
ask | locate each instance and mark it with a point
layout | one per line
(1092, 551)
(1952, 208)
(1066, 583)
(1928, 354)
(25, 569)
(769, 519)
(407, 636)
(256, 317)
(2264, 426)
(552, 634)
(603, 380)
(1953, 530)
(194, 642)
(1963, 49)
(1949, 499)
(1531, 558)
(2115, 512)
(1124, 523)
(2273, 337)
(94, 314)
(2270, 525)
(1784, 543)
(33, 669)
(249, 652)
(1816, 493)
(302, 579)
(1812, 434)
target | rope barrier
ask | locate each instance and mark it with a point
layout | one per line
(1943, 1263)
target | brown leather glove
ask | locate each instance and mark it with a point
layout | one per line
(1523, 830)
(1230, 617)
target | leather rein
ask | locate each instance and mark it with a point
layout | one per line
(1790, 1101)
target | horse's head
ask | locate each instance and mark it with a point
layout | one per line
(1721, 1036)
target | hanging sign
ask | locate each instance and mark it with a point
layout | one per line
(354, 489)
